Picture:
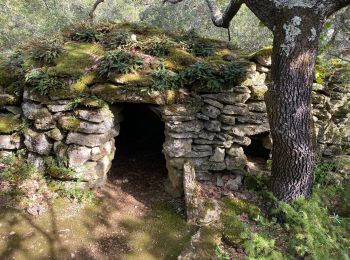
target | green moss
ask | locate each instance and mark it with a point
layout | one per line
(69, 123)
(132, 79)
(76, 58)
(160, 235)
(264, 52)
(9, 123)
(234, 229)
(179, 59)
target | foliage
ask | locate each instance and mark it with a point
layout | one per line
(317, 228)
(45, 51)
(313, 232)
(198, 46)
(41, 82)
(165, 79)
(118, 62)
(15, 63)
(234, 73)
(114, 40)
(157, 46)
(21, 185)
(85, 32)
(204, 75)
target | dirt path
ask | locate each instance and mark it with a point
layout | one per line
(134, 219)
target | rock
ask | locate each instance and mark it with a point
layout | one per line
(238, 109)
(98, 152)
(90, 140)
(248, 130)
(213, 103)
(211, 111)
(229, 120)
(37, 142)
(213, 166)
(199, 154)
(30, 109)
(14, 110)
(177, 147)
(219, 181)
(177, 163)
(38, 161)
(210, 211)
(202, 117)
(43, 120)
(235, 151)
(180, 109)
(253, 118)
(203, 175)
(257, 107)
(254, 79)
(234, 184)
(60, 107)
(191, 192)
(206, 135)
(55, 134)
(212, 126)
(235, 163)
(267, 142)
(182, 135)
(77, 125)
(10, 142)
(179, 127)
(78, 155)
(218, 156)
(229, 97)
(180, 118)
(258, 92)
(202, 148)
(94, 115)
(262, 69)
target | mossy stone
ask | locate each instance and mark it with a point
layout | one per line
(9, 123)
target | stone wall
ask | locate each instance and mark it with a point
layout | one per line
(209, 129)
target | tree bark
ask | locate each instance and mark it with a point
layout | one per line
(289, 104)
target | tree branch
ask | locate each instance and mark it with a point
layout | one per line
(223, 20)
(333, 6)
(94, 7)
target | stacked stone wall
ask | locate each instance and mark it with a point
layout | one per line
(210, 129)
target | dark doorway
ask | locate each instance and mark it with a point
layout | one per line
(139, 163)
(256, 149)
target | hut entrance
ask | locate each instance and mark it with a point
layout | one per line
(139, 160)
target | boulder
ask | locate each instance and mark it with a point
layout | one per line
(37, 142)
(210, 111)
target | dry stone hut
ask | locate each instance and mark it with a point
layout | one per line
(64, 109)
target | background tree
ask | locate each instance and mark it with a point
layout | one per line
(296, 27)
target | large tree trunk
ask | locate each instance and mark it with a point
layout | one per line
(289, 105)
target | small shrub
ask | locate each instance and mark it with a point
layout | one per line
(14, 64)
(323, 172)
(57, 170)
(41, 82)
(202, 74)
(234, 73)
(200, 49)
(118, 62)
(165, 79)
(313, 233)
(45, 51)
(115, 40)
(157, 46)
(84, 32)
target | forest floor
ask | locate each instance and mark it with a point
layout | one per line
(132, 218)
